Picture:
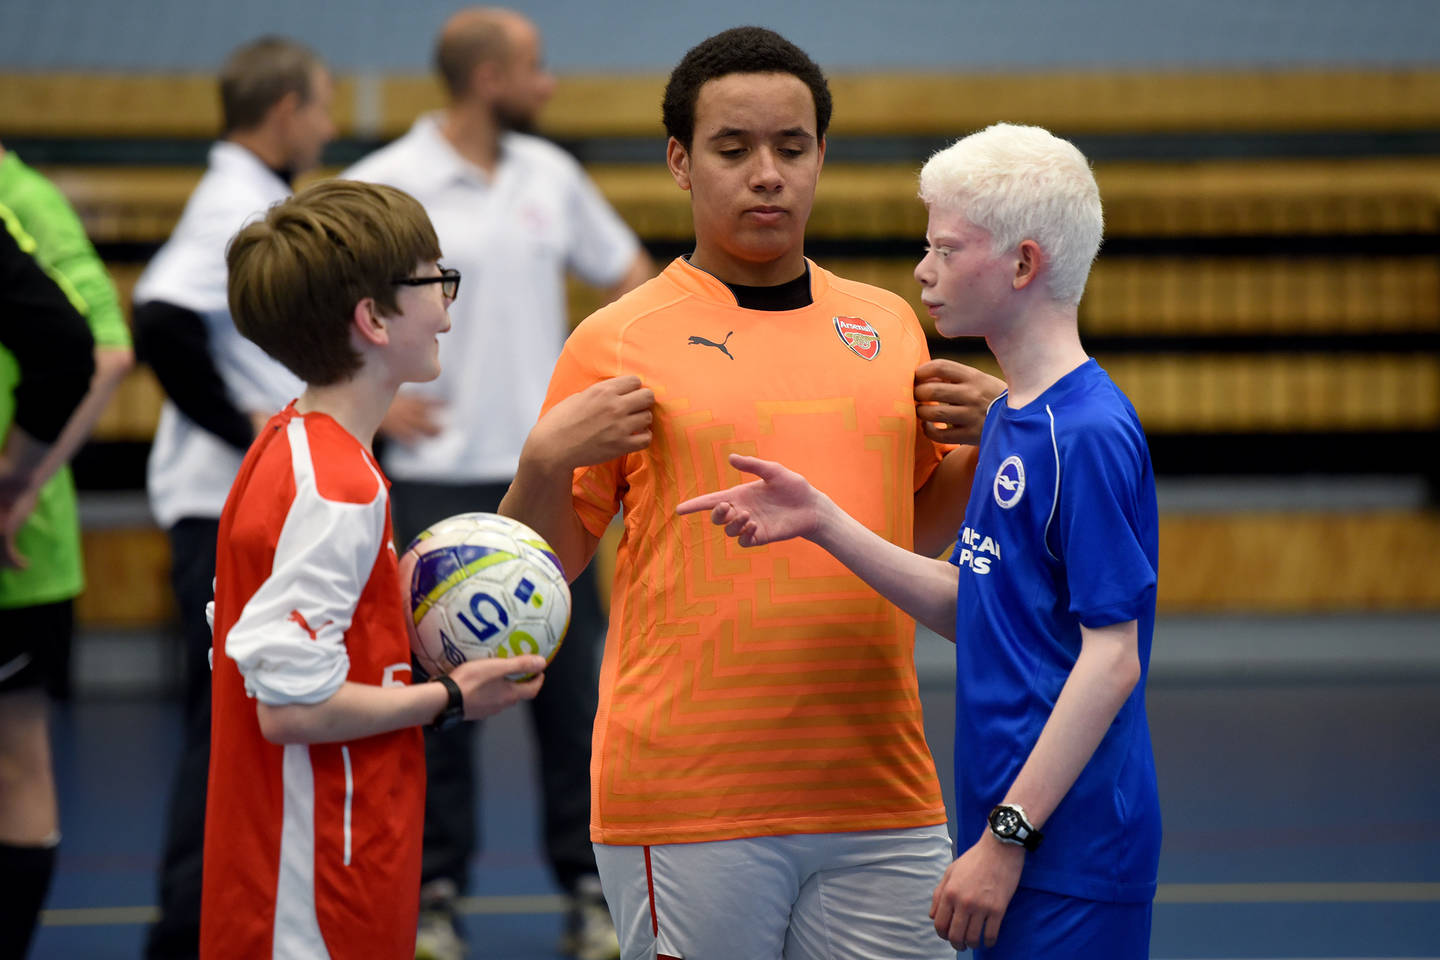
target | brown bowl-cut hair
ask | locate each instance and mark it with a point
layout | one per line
(297, 274)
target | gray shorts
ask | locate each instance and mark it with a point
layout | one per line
(833, 896)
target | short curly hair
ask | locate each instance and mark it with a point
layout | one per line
(738, 50)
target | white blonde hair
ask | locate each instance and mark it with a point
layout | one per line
(1023, 183)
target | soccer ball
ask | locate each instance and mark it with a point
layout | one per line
(482, 585)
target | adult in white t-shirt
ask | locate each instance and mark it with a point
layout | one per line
(275, 98)
(515, 214)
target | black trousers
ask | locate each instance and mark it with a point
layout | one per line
(192, 574)
(563, 716)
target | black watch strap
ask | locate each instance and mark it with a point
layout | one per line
(1009, 824)
(454, 711)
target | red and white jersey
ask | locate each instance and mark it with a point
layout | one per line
(310, 851)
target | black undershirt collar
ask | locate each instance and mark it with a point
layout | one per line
(790, 295)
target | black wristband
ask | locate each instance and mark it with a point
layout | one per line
(454, 711)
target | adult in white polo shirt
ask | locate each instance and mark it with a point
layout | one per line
(514, 213)
(275, 98)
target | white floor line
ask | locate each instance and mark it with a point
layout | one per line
(1169, 893)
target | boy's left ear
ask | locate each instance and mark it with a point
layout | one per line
(367, 321)
(1028, 259)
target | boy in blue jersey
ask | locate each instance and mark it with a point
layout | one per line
(1050, 591)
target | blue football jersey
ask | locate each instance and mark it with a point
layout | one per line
(1060, 530)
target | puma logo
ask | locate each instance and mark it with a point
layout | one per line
(297, 617)
(702, 342)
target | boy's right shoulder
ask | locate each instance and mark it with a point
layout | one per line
(658, 293)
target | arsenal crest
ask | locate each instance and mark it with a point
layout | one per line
(859, 336)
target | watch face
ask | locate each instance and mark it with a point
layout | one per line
(1005, 822)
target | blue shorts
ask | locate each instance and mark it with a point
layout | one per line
(1040, 924)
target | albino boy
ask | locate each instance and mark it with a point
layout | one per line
(1050, 591)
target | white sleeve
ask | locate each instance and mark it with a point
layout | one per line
(602, 247)
(289, 642)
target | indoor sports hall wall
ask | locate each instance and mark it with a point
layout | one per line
(1269, 290)
(649, 35)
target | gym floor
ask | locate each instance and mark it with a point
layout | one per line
(1300, 788)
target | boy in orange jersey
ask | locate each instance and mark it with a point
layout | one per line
(759, 752)
(314, 816)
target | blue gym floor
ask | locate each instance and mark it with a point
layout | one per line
(1302, 819)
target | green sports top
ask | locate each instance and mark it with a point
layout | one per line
(43, 223)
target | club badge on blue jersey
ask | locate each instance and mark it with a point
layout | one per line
(1010, 482)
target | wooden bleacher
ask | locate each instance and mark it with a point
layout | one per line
(1128, 295)
(904, 104)
(1339, 250)
(1229, 198)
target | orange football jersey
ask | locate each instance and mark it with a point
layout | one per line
(763, 691)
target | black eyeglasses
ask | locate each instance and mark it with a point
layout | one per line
(449, 281)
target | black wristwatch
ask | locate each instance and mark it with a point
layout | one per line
(1010, 825)
(454, 711)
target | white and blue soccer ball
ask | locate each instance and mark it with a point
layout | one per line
(480, 586)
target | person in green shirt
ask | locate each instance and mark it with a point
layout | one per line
(42, 543)
(40, 562)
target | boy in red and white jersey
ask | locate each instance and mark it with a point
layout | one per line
(315, 809)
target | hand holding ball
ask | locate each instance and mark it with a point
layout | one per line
(482, 585)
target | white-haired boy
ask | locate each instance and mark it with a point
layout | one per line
(1050, 591)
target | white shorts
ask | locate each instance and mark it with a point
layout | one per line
(830, 896)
